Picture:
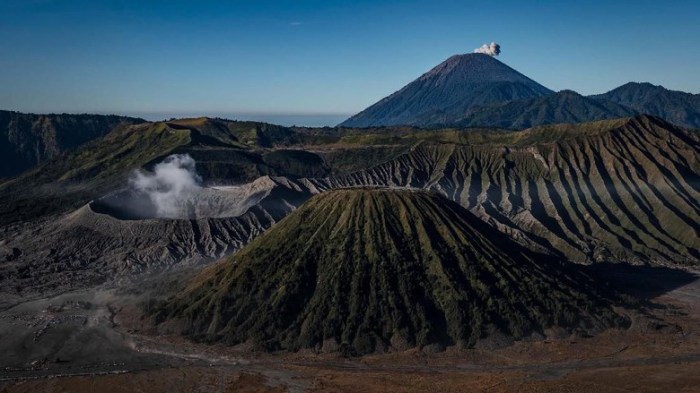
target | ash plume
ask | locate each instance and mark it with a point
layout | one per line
(172, 181)
(492, 49)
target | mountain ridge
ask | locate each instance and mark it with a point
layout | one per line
(622, 190)
(677, 107)
(566, 106)
(28, 139)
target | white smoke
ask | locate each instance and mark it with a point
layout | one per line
(172, 182)
(492, 49)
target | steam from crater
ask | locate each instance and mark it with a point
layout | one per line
(173, 181)
(492, 49)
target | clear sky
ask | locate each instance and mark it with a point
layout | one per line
(325, 57)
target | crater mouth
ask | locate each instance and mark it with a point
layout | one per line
(203, 203)
(125, 205)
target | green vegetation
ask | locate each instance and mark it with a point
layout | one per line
(563, 107)
(401, 136)
(623, 189)
(74, 178)
(365, 270)
(225, 152)
(353, 159)
(28, 139)
(676, 107)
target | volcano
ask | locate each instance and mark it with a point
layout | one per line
(449, 92)
(371, 270)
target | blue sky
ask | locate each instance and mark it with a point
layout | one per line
(320, 57)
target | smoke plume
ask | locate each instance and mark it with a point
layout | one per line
(173, 181)
(492, 49)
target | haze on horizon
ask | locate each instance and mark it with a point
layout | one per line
(324, 59)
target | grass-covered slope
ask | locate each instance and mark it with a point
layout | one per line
(72, 179)
(623, 189)
(226, 152)
(27, 140)
(613, 190)
(365, 270)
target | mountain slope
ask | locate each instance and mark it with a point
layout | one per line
(676, 107)
(607, 191)
(71, 180)
(234, 151)
(449, 92)
(371, 270)
(27, 140)
(563, 107)
(99, 242)
(623, 189)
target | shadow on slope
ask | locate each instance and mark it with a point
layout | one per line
(642, 282)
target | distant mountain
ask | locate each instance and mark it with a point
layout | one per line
(476, 90)
(677, 107)
(366, 270)
(563, 107)
(449, 92)
(27, 140)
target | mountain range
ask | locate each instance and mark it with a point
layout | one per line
(621, 190)
(465, 91)
(565, 106)
(674, 106)
(477, 90)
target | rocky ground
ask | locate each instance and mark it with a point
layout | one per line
(90, 341)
